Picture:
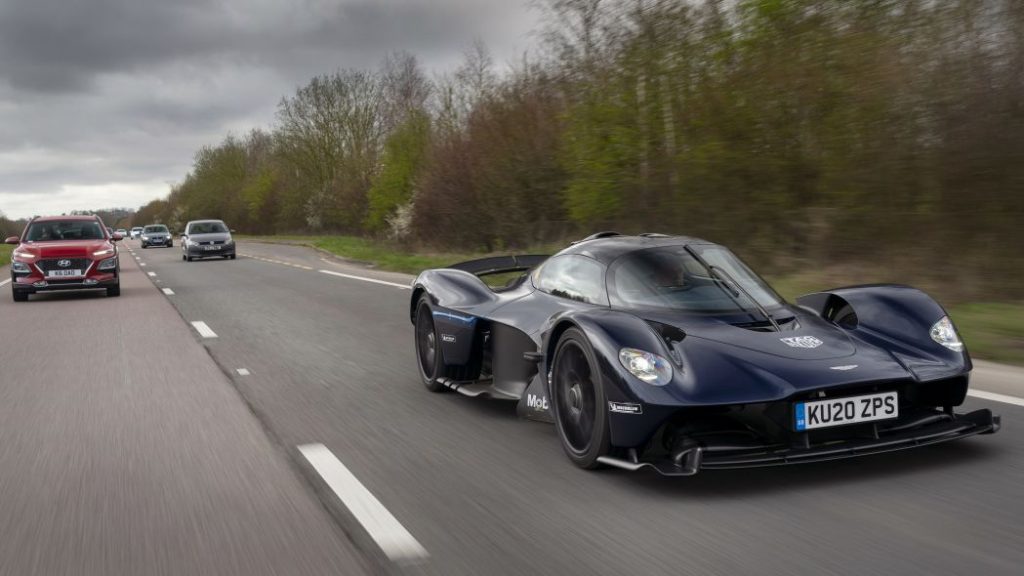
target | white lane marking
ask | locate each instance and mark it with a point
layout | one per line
(242, 372)
(142, 263)
(996, 397)
(5, 283)
(204, 330)
(365, 279)
(151, 273)
(399, 545)
(168, 291)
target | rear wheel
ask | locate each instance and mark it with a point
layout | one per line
(428, 349)
(578, 400)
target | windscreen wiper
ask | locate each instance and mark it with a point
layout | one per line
(721, 273)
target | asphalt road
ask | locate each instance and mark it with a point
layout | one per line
(173, 457)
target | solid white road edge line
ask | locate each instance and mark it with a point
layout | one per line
(996, 397)
(365, 279)
(397, 543)
(204, 330)
(168, 291)
(242, 372)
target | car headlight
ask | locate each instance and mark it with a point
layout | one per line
(104, 252)
(22, 255)
(646, 366)
(944, 333)
(20, 267)
(108, 264)
(144, 237)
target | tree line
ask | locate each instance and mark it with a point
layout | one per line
(820, 132)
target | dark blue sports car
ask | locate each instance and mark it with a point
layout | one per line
(669, 352)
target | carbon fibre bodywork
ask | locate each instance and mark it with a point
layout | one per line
(734, 381)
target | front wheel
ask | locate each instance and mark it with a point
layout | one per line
(19, 296)
(114, 290)
(578, 400)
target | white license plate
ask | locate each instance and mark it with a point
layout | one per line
(211, 247)
(63, 273)
(849, 410)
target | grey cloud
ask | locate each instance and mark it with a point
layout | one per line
(96, 92)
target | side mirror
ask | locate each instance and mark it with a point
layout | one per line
(117, 237)
(13, 240)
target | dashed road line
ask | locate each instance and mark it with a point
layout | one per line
(996, 397)
(204, 330)
(394, 540)
(242, 372)
(151, 273)
(168, 291)
(365, 279)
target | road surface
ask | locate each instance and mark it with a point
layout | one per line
(133, 444)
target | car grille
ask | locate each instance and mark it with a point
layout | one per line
(76, 264)
(209, 242)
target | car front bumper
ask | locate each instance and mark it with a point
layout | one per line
(34, 284)
(726, 452)
(218, 250)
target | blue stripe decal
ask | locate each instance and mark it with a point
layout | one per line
(450, 316)
(800, 411)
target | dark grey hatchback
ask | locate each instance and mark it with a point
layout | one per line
(156, 235)
(207, 239)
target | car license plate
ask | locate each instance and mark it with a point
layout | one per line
(849, 410)
(63, 273)
(211, 248)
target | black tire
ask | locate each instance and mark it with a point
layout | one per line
(144, 246)
(19, 296)
(114, 291)
(578, 400)
(189, 258)
(428, 349)
(184, 258)
(232, 257)
(170, 244)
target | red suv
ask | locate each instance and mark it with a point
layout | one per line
(64, 253)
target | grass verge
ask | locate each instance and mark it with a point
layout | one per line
(992, 330)
(5, 254)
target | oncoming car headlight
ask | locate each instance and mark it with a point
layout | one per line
(944, 333)
(108, 264)
(104, 252)
(22, 255)
(647, 366)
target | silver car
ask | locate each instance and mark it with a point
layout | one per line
(207, 239)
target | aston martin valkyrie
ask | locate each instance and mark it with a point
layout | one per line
(668, 352)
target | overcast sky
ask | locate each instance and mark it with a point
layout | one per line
(104, 102)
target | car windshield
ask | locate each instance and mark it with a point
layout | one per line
(58, 230)
(674, 278)
(155, 230)
(207, 228)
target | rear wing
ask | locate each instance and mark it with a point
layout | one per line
(501, 264)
